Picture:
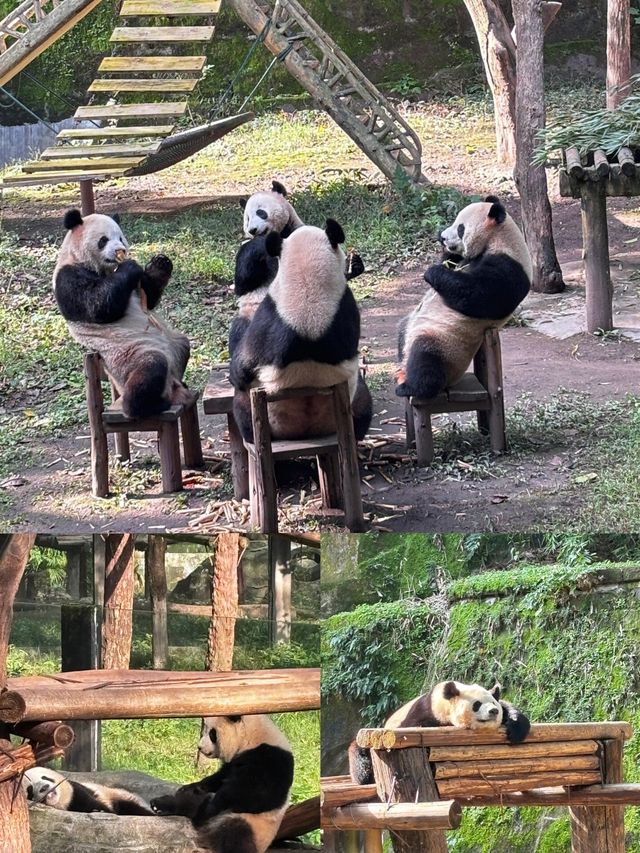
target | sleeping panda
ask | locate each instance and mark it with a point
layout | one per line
(486, 275)
(240, 808)
(264, 213)
(43, 785)
(449, 703)
(305, 333)
(108, 301)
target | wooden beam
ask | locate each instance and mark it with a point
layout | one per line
(169, 8)
(471, 786)
(128, 35)
(152, 84)
(49, 177)
(146, 694)
(442, 814)
(115, 132)
(63, 151)
(592, 795)
(152, 63)
(87, 164)
(177, 108)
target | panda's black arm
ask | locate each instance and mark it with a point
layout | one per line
(155, 278)
(242, 370)
(354, 266)
(84, 296)
(491, 288)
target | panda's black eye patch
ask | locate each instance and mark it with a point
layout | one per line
(461, 230)
(262, 213)
(213, 736)
(476, 705)
(102, 242)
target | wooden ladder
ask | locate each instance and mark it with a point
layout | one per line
(135, 129)
(336, 83)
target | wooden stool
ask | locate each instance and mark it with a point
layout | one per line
(480, 391)
(218, 400)
(112, 419)
(336, 455)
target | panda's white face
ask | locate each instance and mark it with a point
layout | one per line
(43, 785)
(471, 231)
(482, 706)
(225, 737)
(265, 212)
(98, 243)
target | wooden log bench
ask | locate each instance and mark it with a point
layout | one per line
(480, 390)
(578, 765)
(110, 419)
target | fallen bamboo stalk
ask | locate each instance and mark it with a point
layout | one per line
(471, 786)
(441, 814)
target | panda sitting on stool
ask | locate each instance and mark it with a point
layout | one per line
(449, 703)
(107, 301)
(486, 275)
(305, 333)
(265, 213)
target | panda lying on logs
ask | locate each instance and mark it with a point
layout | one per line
(449, 703)
(305, 333)
(240, 808)
(107, 301)
(486, 276)
(43, 785)
(265, 213)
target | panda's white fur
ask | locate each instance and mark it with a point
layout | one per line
(486, 275)
(47, 786)
(257, 770)
(305, 333)
(107, 301)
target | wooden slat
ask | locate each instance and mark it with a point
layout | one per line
(116, 132)
(60, 178)
(168, 8)
(83, 163)
(132, 111)
(520, 750)
(161, 34)
(114, 84)
(517, 766)
(62, 151)
(152, 63)
(486, 787)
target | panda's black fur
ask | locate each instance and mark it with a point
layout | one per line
(485, 275)
(239, 808)
(275, 352)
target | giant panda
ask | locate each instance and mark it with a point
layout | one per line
(449, 703)
(305, 333)
(266, 212)
(43, 785)
(108, 301)
(240, 808)
(486, 274)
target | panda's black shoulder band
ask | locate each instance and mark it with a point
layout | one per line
(334, 232)
(72, 219)
(273, 244)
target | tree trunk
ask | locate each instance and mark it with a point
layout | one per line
(530, 118)
(618, 51)
(499, 59)
(118, 601)
(224, 599)
(157, 580)
(14, 813)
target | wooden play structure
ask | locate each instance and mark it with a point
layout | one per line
(479, 390)
(131, 134)
(424, 777)
(593, 178)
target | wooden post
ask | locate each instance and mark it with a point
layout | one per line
(239, 460)
(14, 813)
(618, 51)
(87, 198)
(73, 572)
(373, 841)
(404, 776)
(264, 485)
(191, 444)
(123, 451)
(348, 455)
(496, 417)
(595, 238)
(157, 579)
(95, 407)
(279, 590)
(423, 432)
(329, 478)
(118, 601)
(169, 446)
(409, 423)
(600, 829)
(79, 632)
(224, 603)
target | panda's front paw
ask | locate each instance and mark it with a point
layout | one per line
(355, 266)
(403, 390)
(432, 274)
(131, 271)
(164, 805)
(160, 265)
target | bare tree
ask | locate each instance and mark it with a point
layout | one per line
(618, 51)
(118, 601)
(530, 119)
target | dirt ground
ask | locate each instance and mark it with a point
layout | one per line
(516, 496)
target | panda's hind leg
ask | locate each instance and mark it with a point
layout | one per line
(362, 409)
(229, 834)
(144, 394)
(424, 375)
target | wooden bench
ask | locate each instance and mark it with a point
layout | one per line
(578, 765)
(479, 391)
(104, 420)
(218, 400)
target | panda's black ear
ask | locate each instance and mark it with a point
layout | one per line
(116, 218)
(273, 244)
(492, 199)
(496, 690)
(235, 718)
(334, 232)
(497, 213)
(450, 690)
(72, 219)
(243, 203)
(279, 188)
